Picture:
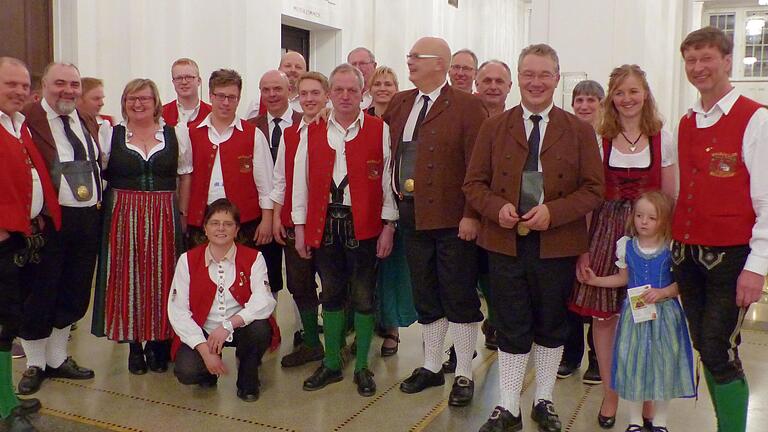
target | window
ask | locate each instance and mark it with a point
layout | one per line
(756, 46)
(748, 28)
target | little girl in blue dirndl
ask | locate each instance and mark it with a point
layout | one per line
(652, 360)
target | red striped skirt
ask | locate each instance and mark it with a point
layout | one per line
(141, 258)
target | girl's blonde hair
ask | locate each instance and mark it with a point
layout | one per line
(650, 119)
(663, 205)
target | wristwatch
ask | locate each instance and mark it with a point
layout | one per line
(392, 223)
(227, 324)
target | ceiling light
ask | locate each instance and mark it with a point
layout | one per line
(755, 26)
(749, 61)
(762, 2)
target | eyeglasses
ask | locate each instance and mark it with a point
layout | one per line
(221, 97)
(142, 99)
(219, 224)
(458, 68)
(414, 56)
(530, 76)
(361, 63)
(184, 78)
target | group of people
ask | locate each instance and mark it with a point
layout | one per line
(406, 204)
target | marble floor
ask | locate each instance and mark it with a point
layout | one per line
(118, 401)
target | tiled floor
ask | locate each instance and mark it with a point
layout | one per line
(118, 401)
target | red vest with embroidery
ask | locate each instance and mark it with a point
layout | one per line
(202, 290)
(236, 155)
(171, 114)
(714, 207)
(16, 182)
(291, 141)
(365, 165)
(630, 183)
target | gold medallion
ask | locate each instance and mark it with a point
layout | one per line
(409, 185)
(83, 193)
(523, 230)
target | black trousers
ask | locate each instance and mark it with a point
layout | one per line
(300, 276)
(574, 347)
(529, 296)
(348, 267)
(443, 271)
(11, 294)
(706, 277)
(250, 342)
(60, 284)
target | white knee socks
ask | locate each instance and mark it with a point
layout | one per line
(511, 376)
(434, 337)
(35, 352)
(464, 337)
(57, 347)
(547, 361)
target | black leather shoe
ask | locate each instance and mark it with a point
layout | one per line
(157, 360)
(449, 366)
(365, 384)
(303, 355)
(544, 414)
(69, 369)
(137, 365)
(248, 396)
(210, 382)
(502, 420)
(18, 423)
(31, 380)
(490, 336)
(421, 379)
(634, 428)
(462, 391)
(592, 375)
(321, 378)
(298, 338)
(605, 422)
(27, 407)
(565, 370)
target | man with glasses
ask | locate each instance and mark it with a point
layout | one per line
(534, 175)
(187, 108)
(293, 65)
(230, 159)
(60, 275)
(433, 129)
(363, 59)
(463, 70)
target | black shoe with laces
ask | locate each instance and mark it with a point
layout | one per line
(544, 414)
(502, 420)
(366, 386)
(420, 379)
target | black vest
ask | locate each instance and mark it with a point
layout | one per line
(128, 170)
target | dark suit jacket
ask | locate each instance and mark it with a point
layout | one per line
(446, 138)
(573, 180)
(37, 121)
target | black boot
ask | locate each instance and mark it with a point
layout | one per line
(137, 365)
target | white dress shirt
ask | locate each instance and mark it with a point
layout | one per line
(528, 123)
(367, 100)
(184, 165)
(253, 107)
(338, 136)
(185, 115)
(262, 162)
(755, 154)
(66, 154)
(286, 121)
(14, 127)
(278, 177)
(410, 124)
(259, 306)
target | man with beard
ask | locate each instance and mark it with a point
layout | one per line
(293, 65)
(60, 283)
(363, 59)
(187, 108)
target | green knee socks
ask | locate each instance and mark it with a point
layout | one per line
(333, 328)
(8, 400)
(364, 334)
(731, 401)
(311, 332)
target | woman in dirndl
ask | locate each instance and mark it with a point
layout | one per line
(637, 157)
(147, 166)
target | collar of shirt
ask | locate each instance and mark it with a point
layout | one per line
(14, 122)
(52, 115)
(544, 114)
(303, 124)
(229, 256)
(433, 95)
(181, 108)
(358, 123)
(207, 123)
(286, 117)
(159, 133)
(724, 105)
(293, 99)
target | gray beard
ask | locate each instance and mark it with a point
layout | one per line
(65, 108)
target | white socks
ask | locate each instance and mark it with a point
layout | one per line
(660, 416)
(464, 337)
(636, 413)
(35, 352)
(511, 376)
(56, 353)
(547, 360)
(434, 337)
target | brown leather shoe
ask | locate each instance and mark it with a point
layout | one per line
(303, 355)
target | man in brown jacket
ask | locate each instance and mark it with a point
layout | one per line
(433, 129)
(534, 175)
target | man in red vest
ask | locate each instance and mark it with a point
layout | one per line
(720, 225)
(293, 65)
(349, 228)
(28, 191)
(220, 297)
(299, 272)
(187, 108)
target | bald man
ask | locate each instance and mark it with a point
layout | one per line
(433, 129)
(493, 83)
(293, 65)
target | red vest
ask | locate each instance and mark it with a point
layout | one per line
(202, 290)
(714, 207)
(16, 182)
(630, 183)
(171, 114)
(291, 141)
(365, 165)
(236, 156)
